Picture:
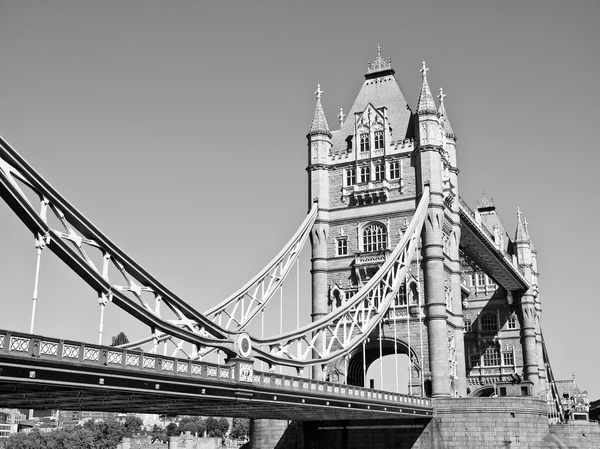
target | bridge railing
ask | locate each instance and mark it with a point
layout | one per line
(240, 371)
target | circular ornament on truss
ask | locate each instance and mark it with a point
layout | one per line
(243, 345)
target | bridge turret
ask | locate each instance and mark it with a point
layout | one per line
(319, 149)
(530, 320)
(538, 312)
(431, 171)
(450, 179)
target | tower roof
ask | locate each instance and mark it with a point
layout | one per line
(319, 122)
(425, 104)
(379, 89)
(442, 111)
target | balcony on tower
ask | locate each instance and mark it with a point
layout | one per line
(367, 193)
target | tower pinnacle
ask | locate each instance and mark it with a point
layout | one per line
(319, 122)
(426, 104)
(444, 115)
(522, 234)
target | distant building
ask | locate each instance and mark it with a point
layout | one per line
(575, 402)
(9, 421)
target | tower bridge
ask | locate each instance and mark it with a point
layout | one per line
(400, 264)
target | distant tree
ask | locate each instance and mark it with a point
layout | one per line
(192, 424)
(119, 339)
(171, 429)
(33, 440)
(133, 425)
(240, 428)
(217, 427)
(106, 434)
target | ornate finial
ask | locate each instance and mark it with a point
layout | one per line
(319, 92)
(424, 70)
(518, 213)
(380, 63)
(525, 224)
(485, 201)
(341, 116)
(441, 97)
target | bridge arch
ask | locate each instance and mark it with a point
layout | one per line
(389, 346)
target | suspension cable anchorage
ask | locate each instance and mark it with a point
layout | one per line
(42, 240)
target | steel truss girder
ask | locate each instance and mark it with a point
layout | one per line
(325, 340)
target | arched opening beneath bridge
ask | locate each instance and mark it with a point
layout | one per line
(394, 359)
(483, 392)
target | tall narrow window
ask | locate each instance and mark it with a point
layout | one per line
(365, 174)
(350, 177)
(474, 360)
(378, 135)
(364, 142)
(508, 358)
(401, 297)
(379, 172)
(342, 247)
(480, 279)
(467, 325)
(374, 238)
(395, 170)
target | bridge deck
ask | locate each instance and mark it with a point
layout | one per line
(477, 243)
(45, 373)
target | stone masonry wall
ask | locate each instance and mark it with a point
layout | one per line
(579, 434)
(465, 423)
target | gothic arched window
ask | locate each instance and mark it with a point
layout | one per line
(364, 142)
(488, 322)
(374, 237)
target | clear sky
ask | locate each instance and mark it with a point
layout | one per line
(178, 128)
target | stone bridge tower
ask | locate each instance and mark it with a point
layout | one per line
(368, 177)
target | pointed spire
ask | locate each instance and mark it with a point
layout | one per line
(522, 235)
(319, 122)
(442, 111)
(425, 104)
